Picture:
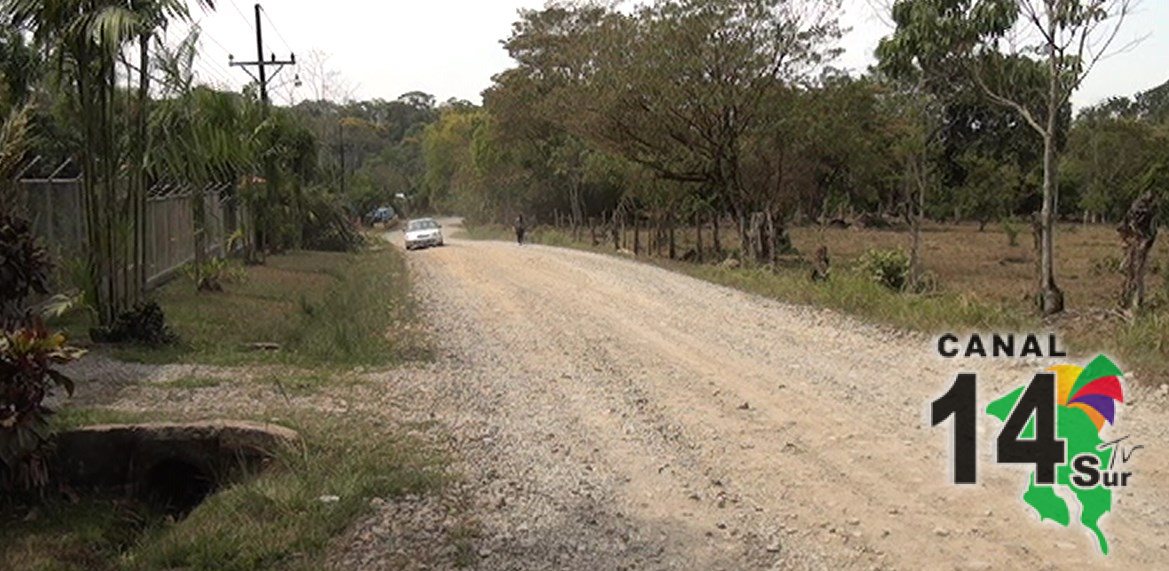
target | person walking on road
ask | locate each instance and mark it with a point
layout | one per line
(519, 229)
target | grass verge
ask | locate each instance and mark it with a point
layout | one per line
(284, 518)
(319, 308)
(327, 312)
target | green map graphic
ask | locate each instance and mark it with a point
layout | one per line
(1074, 426)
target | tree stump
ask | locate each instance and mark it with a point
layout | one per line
(820, 265)
(1138, 231)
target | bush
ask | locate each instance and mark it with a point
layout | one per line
(211, 274)
(144, 325)
(889, 268)
(327, 226)
(24, 266)
(1012, 232)
(28, 355)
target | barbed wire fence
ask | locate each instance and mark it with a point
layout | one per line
(54, 203)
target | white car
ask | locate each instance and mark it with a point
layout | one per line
(422, 233)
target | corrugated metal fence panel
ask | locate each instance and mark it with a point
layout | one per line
(55, 208)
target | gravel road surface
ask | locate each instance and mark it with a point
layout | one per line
(613, 415)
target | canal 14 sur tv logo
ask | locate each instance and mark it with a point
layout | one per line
(1054, 423)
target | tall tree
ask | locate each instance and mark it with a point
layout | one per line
(88, 40)
(1068, 36)
(678, 86)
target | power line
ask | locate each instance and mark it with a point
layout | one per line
(217, 68)
(204, 34)
(209, 68)
(240, 12)
(261, 64)
(272, 25)
(295, 66)
(213, 72)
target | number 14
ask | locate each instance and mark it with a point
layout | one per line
(1043, 449)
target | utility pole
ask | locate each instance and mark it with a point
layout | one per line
(261, 214)
(262, 65)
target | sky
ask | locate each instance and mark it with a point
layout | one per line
(451, 48)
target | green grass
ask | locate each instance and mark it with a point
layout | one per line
(68, 417)
(278, 520)
(329, 313)
(275, 520)
(854, 294)
(59, 535)
(322, 309)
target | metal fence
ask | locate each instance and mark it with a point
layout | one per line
(55, 208)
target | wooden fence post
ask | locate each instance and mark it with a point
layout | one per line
(698, 238)
(615, 230)
(673, 244)
(716, 243)
(623, 242)
(636, 235)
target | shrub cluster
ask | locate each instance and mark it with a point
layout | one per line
(24, 266)
(327, 226)
(889, 268)
(145, 324)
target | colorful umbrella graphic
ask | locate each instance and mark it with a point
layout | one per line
(1094, 389)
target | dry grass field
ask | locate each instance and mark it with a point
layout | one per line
(977, 263)
(986, 265)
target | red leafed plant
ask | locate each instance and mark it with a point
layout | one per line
(29, 354)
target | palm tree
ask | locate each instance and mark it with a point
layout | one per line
(13, 141)
(87, 39)
(205, 136)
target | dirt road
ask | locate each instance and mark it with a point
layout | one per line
(615, 415)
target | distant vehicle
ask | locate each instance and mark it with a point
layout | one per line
(381, 215)
(422, 233)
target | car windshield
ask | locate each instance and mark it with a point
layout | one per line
(422, 225)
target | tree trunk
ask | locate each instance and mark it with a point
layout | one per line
(199, 224)
(744, 237)
(658, 234)
(699, 254)
(716, 243)
(673, 243)
(1051, 299)
(615, 230)
(916, 209)
(620, 230)
(1138, 230)
(139, 186)
(915, 249)
(772, 245)
(820, 264)
(1050, 296)
(636, 235)
(577, 211)
(758, 239)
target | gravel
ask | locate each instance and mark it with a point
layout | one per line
(605, 414)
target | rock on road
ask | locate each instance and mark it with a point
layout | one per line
(615, 415)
